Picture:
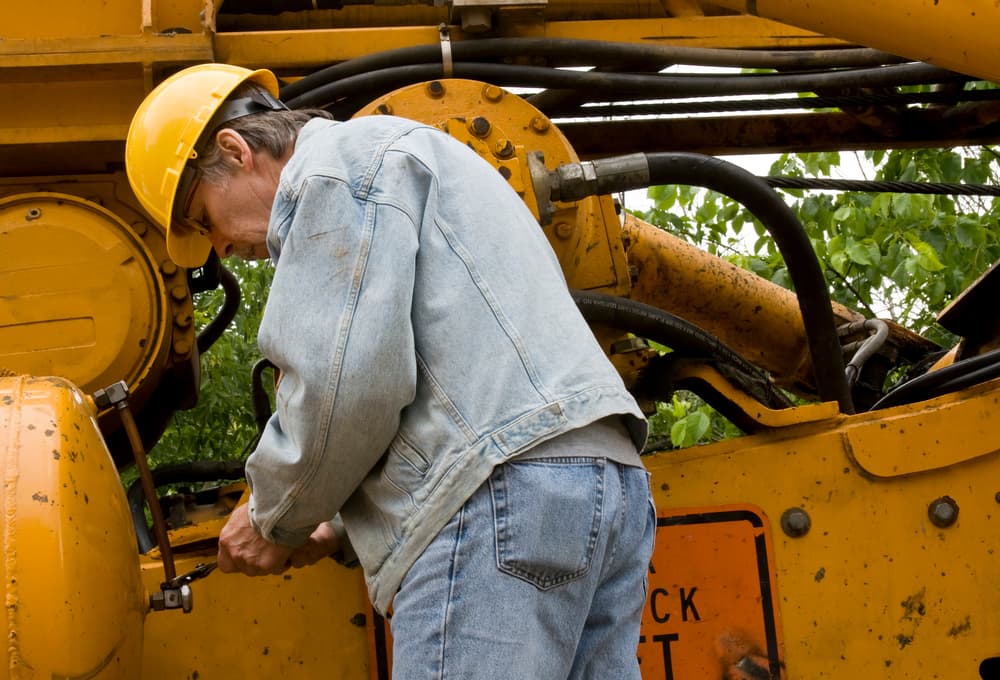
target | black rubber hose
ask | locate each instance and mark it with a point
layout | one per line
(369, 85)
(230, 305)
(260, 399)
(592, 53)
(681, 336)
(573, 181)
(180, 473)
(959, 375)
(793, 243)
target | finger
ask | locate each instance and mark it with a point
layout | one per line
(224, 561)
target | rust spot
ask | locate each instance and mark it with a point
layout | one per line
(820, 574)
(49, 433)
(960, 628)
(55, 454)
(904, 640)
(40, 497)
(359, 620)
(914, 604)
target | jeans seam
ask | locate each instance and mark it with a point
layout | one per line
(453, 567)
(612, 538)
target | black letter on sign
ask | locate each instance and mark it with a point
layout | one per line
(665, 641)
(652, 606)
(687, 602)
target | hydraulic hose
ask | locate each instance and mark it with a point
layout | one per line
(681, 336)
(180, 473)
(864, 349)
(575, 181)
(957, 376)
(230, 305)
(368, 85)
(591, 52)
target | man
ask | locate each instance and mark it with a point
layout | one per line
(440, 390)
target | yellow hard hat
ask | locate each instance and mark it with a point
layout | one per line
(165, 134)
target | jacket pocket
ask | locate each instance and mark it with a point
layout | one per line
(547, 518)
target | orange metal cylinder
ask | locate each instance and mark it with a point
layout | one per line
(72, 585)
(755, 317)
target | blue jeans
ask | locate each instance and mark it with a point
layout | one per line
(541, 575)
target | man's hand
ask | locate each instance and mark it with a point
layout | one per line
(242, 549)
(322, 543)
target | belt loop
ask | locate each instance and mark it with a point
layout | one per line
(446, 62)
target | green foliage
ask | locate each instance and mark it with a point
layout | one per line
(889, 255)
(687, 420)
(221, 425)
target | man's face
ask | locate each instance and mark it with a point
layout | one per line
(234, 214)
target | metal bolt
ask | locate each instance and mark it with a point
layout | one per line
(503, 148)
(795, 522)
(182, 319)
(492, 93)
(181, 347)
(540, 124)
(384, 109)
(32, 214)
(943, 512)
(140, 228)
(179, 293)
(479, 126)
(168, 267)
(435, 89)
(564, 230)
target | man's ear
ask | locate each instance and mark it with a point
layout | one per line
(234, 148)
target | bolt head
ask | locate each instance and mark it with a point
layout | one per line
(435, 89)
(795, 522)
(943, 512)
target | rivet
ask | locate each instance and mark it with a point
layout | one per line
(480, 126)
(32, 214)
(540, 124)
(564, 230)
(943, 512)
(795, 522)
(503, 148)
(492, 93)
(384, 109)
(140, 228)
(179, 293)
(182, 346)
(168, 267)
(182, 319)
(435, 89)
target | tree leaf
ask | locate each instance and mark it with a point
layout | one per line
(689, 430)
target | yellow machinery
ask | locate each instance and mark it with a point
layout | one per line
(851, 536)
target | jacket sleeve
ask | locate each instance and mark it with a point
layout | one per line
(337, 324)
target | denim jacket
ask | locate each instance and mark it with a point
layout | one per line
(425, 334)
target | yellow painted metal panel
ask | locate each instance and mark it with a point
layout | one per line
(305, 624)
(314, 47)
(873, 583)
(955, 35)
(82, 295)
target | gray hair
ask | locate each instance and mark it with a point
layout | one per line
(272, 131)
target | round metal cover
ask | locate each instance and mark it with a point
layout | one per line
(80, 295)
